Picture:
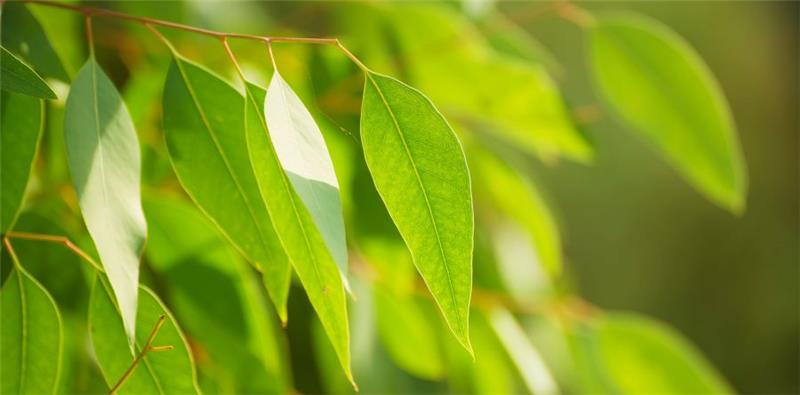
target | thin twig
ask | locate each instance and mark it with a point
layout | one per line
(56, 239)
(11, 252)
(89, 35)
(147, 348)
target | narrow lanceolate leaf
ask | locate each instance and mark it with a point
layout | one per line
(534, 372)
(16, 76)
(304, 244)
(105, 164)
(204, 129)
(22, 34)
(21, 121)
(420, 172)
(661, 87)
(306, 161)
(31, 336)
(163, 372)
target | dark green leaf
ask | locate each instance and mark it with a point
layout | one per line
(204, 128)
(22, 34)
(661, 87)
(16, 76)
(20, 132)
(164, 372)
(105, 164)
(31, 336)
(421, 174)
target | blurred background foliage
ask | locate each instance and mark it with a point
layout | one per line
(632, 235)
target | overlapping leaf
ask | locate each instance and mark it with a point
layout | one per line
(16, 76)
(31, 336)
(21, 121)
(22, 34)
(420, 172)
(304, 244)
(105, 165)
(165, 372)
(302, 152)
(204, 129)
(658, 84)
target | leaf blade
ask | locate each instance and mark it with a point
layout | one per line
(16, 76)
(398, 124)
(22, 33)
(105, 164)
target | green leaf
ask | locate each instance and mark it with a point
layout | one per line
(512, 40)
(22, 122)
(22, 34)
(31, 336)
(628, 354)
(215, 296)
(420, 172)
(301, 150)
(16, 76)
(164, 372)
(535, 374)
(407, 335)
(204, 129)
(304, 244)
(515, 100)
(659, 85)
(105, 164)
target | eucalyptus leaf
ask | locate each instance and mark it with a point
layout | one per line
(22, 34)
(204, 129)
(21, 122)
(31, 336)
(16, 76)
(420, 172)
(660, 86)
(305, 245)
(627, 354)
(305, 159)
(105, 164)
(163, 372)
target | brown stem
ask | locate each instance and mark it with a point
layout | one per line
(11, 252)
(147, 348)
(89, 35)
(56, 239)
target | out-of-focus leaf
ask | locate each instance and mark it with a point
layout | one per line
(22, 34)
(308, 252)
(204, 129)
(659, 85)
(407, 335)
(516, 100)
(515, 197)
(22, 120)
(216, 298)
(420, 172)
(509, 39)
(165, 372)
(32, 337)
(16, 76)
(105, 165)
(534, 372)
(301, 149)
(627, 354)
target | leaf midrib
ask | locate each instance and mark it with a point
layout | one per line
(221, 152)
(427, 201)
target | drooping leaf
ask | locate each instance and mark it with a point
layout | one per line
(509, 39)
(307, 250)
(204, 129)
(626, 354)
(216, 298)
(31, 336)
(304, 156)
(105, 164)
(16, 76)
(659, 85)
(21, 120)
(407, 335)
(164, 372)
(534, 372)
(420, 172)
(22, 34)
(513, 99)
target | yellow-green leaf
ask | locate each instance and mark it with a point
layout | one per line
(660, 86)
